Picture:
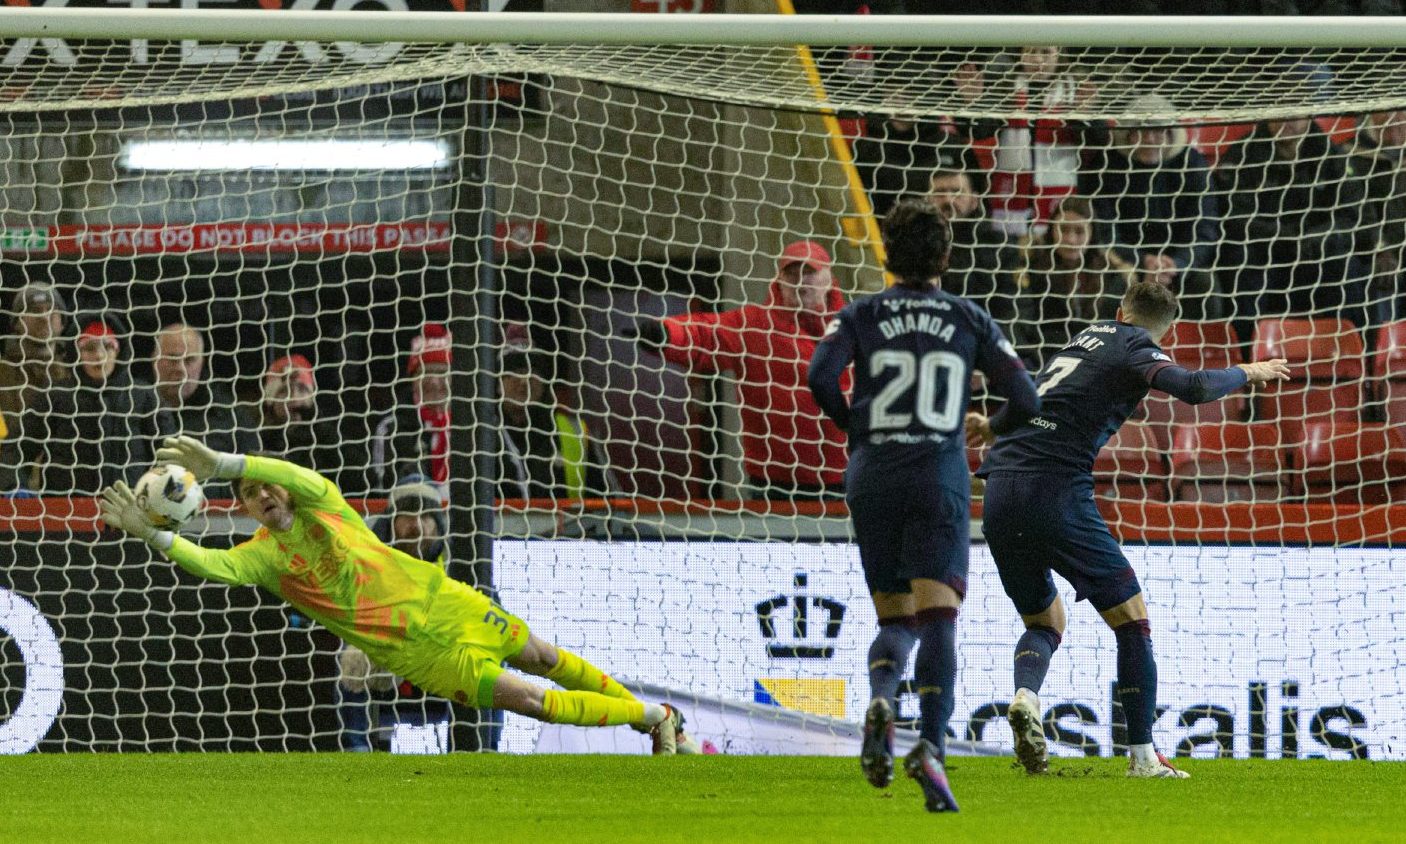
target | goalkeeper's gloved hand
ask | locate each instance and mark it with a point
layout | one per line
(203, 462)
(120, 510)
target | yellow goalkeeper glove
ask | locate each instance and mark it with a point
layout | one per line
(119, 508)
(202, 461)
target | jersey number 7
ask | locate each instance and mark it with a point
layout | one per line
(1058, 370)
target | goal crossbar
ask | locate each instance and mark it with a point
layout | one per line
(624, 28)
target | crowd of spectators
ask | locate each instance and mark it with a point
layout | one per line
(1285, 217)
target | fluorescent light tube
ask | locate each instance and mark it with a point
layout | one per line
(285, 154)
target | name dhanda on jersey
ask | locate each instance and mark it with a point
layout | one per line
(926, 323)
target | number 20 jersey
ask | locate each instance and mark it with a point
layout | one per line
(1087, 391)
(914, 354)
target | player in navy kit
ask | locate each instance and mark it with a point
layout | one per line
(914, 348)
(1040, 514)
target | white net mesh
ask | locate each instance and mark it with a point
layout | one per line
(321, 200)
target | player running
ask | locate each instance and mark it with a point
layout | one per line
(407, 615)
(1040, 514)
(914, 347)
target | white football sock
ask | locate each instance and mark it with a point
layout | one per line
(654, 714)
(1142, 754)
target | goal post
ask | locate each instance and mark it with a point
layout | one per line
(421, 249)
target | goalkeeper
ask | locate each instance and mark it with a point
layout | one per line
(407, 615)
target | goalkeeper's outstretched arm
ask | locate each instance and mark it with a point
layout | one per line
(269, 489)
(304, 486)
(244, 564)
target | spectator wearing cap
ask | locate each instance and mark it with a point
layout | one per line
(546, 452)
(789, 448)
(291, 426)
(415, 439)
(34, 360)
(190, 404)
(114, 411)
(414, 523)
(90, 430)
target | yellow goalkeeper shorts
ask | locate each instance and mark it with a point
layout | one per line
(466, 640)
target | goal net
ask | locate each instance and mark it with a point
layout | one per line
(553, 302)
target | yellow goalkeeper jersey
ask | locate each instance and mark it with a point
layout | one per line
(331, 567)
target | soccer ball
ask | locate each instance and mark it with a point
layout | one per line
(169, 495)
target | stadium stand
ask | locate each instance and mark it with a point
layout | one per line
(1327, 359)
(1223, 462)
(1388, 372)
(1351, 463)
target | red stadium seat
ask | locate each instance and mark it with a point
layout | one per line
(1132, 466)
(1341, 128)
(1202, 345)
(1229, 462)
(1349, 463)
(1326, 360)
(1389, 371)
(1196, 345)
(1214, 139)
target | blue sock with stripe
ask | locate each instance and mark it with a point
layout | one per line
(888, 656)
(936, 672)
(1032, 657)
(1137, 679)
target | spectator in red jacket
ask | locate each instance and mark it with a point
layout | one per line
(790, 450)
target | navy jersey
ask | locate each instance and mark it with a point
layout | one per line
(914, 353)
(1087, 391)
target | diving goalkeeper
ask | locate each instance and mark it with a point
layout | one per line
(407, 615)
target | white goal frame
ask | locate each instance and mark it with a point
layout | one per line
(738, 29)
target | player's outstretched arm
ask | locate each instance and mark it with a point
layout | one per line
(1205, 385)
(120, 510)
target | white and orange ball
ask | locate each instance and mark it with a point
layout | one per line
(169, 495)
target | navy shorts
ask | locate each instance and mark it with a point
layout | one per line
(907, 526)
(1037, 524)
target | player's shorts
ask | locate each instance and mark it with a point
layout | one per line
(907, 526)
(1035, 524)
(466, 640)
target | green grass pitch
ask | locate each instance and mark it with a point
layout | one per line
(346, 798)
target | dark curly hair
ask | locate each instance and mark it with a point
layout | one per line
(917, 240)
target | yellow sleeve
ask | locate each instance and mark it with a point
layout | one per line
(247, 563)
(307, 488)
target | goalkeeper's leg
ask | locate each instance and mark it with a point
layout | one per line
(573, 673)
(566, 669)
(582, 709)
